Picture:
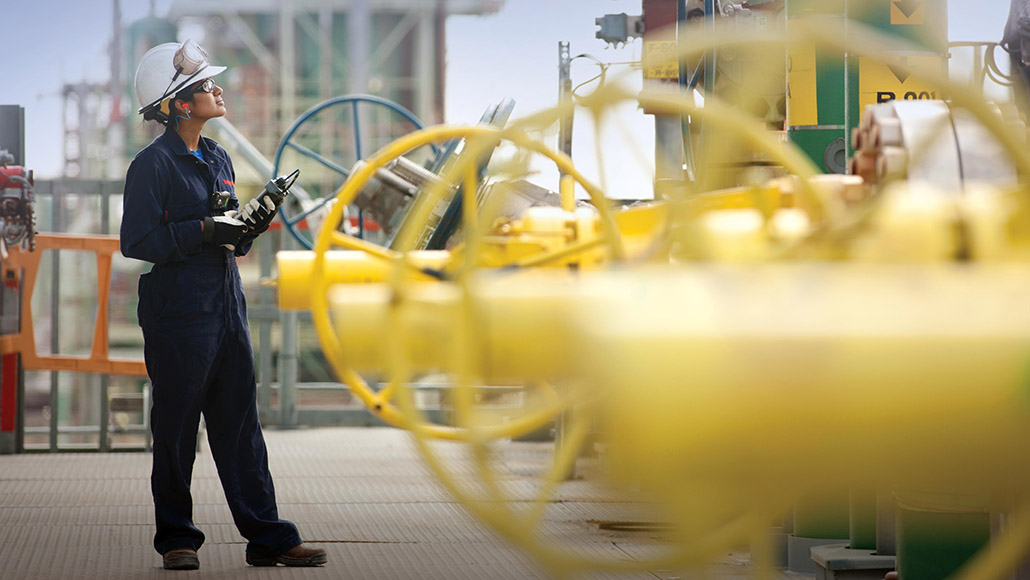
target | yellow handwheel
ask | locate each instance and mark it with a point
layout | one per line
(479, 140)
(487, 499)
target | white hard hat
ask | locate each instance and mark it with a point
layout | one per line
(164, 70)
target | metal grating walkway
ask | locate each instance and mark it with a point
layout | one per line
(361, 493)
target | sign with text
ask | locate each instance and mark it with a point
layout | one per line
(900, 78)
(660, 60)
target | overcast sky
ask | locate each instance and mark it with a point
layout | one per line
(509, 54)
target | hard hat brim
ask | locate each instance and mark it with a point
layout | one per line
(210, 71)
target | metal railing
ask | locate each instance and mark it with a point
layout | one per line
(69, 203)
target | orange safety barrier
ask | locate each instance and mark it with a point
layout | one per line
(24, 342)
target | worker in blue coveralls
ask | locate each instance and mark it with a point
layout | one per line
(180, 212)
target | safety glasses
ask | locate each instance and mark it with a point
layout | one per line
(207, 86)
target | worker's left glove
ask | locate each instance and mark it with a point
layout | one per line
(258, 214)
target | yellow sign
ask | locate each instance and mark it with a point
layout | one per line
(802, 86)
(908, 12)
(901, 78)
(660, 60)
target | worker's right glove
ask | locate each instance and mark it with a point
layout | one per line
(224, 230)
(258, 214)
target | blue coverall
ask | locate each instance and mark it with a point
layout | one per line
(197, 346)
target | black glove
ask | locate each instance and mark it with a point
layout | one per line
(258, 214)
(224, 230)
(247, 238)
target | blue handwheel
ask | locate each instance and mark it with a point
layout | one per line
(326, 141)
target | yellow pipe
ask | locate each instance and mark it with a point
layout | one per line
(343, 267)
(567, 189)
(637, 225)
(907, 375)
(520, 331)
(745, 375)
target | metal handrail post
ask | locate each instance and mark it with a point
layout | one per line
(55, 317)
(288, 359)
(267, 297)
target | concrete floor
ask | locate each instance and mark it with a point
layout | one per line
(363, 494)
